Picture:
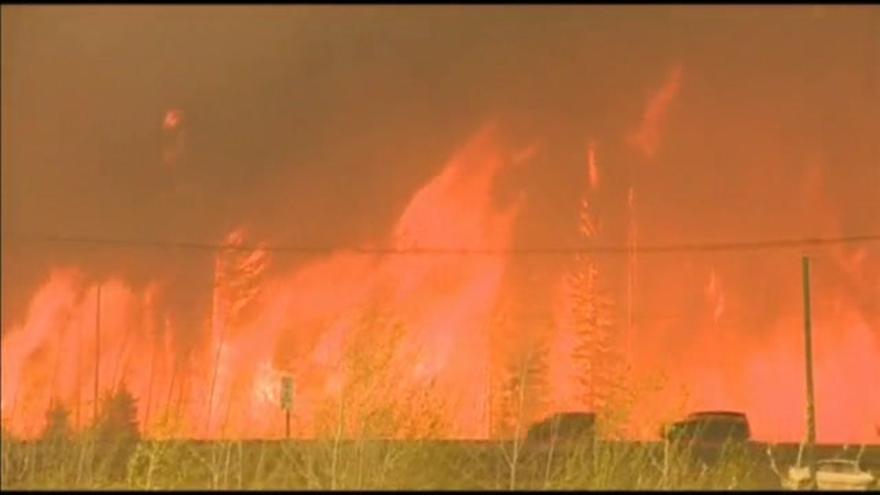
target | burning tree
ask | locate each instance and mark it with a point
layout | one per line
(592, 322)
(595, 356)
(238, 276)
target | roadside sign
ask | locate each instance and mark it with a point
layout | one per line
(287, 393)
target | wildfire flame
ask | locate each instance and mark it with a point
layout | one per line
(261, 327)
(715, 295)
(647, 136)
(432, 329)
(592, 168)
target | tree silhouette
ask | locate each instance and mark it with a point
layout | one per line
(593, 353)
(598, 364)
(116, 431)
(522, 400)
(57, 423)
(238, 277)
(119, 416)
(523, 388)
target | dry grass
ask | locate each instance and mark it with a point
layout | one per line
(366, 464)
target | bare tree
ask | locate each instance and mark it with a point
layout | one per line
(523, 399)
(374, 403)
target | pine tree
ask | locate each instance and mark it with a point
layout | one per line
(593, 326)
(116, 431)
(118, 420)
(592, 311)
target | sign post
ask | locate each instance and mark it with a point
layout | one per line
(287, 401)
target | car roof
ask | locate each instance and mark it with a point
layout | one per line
(837, 461)
(569, 415)
(718, 413)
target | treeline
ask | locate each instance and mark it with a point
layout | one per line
(102, 450)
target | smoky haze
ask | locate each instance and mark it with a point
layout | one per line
(313, 126)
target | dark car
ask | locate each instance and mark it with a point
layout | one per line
(711, 428)
(564, 427)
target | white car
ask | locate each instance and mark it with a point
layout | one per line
(831, 474)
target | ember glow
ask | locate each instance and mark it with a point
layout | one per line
(429, 288)
(174, 137)
(172, 120)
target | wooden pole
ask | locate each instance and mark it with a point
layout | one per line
(218, 304)
(808, 344)
(287, 421)
(150, 385)
(97, 350)
(78, 376)
(631, 268)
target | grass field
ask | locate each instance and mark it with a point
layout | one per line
(371, 464)
(112, 454)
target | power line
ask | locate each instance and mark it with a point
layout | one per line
(589, 249)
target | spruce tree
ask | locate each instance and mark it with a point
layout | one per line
(594, 355)
(116, 432)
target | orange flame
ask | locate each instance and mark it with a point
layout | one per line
(592, 168)
(715, 295)
(264, 323)
(261, 327)
(647, 137)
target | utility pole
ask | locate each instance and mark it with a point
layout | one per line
(811, 414)
(631, 269)
(489, 390)
(78, 378)
(287, 402)
(219, 317)
(97, 349)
